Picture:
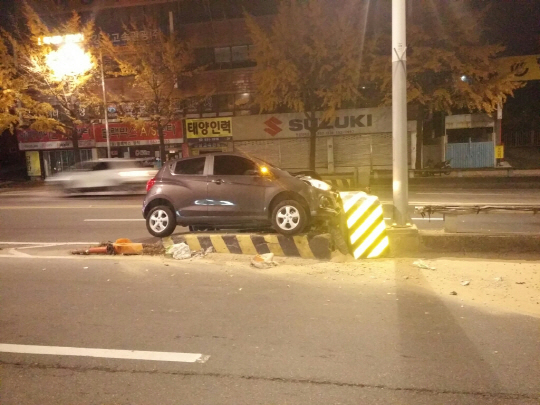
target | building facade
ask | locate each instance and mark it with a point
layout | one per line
(357, 140)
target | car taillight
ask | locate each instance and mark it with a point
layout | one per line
(150, 184)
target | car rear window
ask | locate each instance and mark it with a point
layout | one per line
(190, 166)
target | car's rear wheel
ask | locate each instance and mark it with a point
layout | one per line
(160, 221)
(289, 217)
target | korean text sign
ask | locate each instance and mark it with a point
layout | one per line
(219, 127)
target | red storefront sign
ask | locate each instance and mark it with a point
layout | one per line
(94, 135)
(122, 134)
(30, 139)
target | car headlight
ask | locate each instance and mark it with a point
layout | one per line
(321, 185)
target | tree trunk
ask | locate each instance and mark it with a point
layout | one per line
(76, 150)
(420, 137)
(312, 146)
(161, 135)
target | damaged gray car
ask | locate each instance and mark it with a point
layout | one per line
(230, 190)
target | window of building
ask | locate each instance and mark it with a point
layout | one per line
(204, 56)
(190, 166)
(240, 53)
(222, 55)
(243, 101)
(233, 166)
(86, 154)
(225, 102)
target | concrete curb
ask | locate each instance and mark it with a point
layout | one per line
(438, 241)
(305, 246)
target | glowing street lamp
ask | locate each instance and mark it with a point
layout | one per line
(69, 60)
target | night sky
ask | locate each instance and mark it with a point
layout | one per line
(514, 23)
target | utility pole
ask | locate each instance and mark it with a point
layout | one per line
(399, 116)
(105, 111)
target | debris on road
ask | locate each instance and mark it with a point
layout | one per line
(179, 251)
(103, 249)
(202, 252)
(422, 265)
(453, 293)
(263, 261)
(520, 282)
(155, 249)
(122, 246)
(465, 283)
(498, 279)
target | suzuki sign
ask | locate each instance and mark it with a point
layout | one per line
(345, 122)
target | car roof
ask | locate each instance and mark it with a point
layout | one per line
(217, 154)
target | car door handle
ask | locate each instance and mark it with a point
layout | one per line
(218, 181)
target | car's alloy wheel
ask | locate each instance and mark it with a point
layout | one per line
(289, 217)
(160, 221)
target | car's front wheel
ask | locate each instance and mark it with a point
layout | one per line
(160, 221)
(289, 217)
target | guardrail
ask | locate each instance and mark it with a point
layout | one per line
(451, 212)
(509, 171)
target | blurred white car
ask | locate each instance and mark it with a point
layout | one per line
(128, 175)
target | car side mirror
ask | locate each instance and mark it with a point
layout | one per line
(252, 173)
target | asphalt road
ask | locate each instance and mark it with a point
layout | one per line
(259, 337)
(45, 216)
(264, 337)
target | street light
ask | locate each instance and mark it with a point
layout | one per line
(70, 59)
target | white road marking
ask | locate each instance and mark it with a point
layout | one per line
(105, 353)
(113, 220)
(15, 252)
(420, 219)
(73, 257)
(49, 244)
(67, 207)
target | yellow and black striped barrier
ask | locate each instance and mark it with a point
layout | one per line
(305, 246)
(366, 228)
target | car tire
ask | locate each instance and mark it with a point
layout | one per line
(160, 221)
(289, 217)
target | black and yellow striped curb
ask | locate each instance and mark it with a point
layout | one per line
(365, 225)
(305, 246)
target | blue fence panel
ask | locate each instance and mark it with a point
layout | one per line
(471, 155)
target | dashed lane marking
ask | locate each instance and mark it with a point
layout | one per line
(114, 220)
(105, 353)
(48, 243)
(420, 219)
(66, 207)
